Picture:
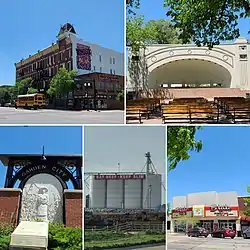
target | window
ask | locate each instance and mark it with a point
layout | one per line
(113, 60)
(110, 61)
(111, 71)
(100, 69)
(114, 72)
(243, 57)
(94, 68)
(100, 58)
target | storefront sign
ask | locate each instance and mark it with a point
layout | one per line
(232, 213)
(215, 208)
(198, 211)
(119, 176)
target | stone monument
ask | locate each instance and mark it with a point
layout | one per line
(42, 180)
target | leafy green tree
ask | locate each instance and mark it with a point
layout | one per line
(187, 220)
(21, 87)
(120, 96)
(247, 201)
(139, 34)
(32, 90)
(62, 83)
(207, 22)
(180, 141)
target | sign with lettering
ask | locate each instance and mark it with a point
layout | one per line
(35, 169)
(224, 211)
(198, 211)
(119, 176)
(215, 208)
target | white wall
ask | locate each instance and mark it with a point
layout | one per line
(155, 182)
(114, 193)
(97, 193)
(224, 55)
(133, 194)
(96, 66)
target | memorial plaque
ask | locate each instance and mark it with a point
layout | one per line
(42, 199)
(33, 235)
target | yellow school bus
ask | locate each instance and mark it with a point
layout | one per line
(30, 101)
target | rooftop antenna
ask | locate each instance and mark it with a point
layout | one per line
(43, 156)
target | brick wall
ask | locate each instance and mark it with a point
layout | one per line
(9, 205)
(73, 208)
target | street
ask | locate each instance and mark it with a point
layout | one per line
(49, 116)
(183, 242)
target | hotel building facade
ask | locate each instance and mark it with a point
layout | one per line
(100, 71)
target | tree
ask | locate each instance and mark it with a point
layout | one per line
(164, 32)
(140, 34)
(247, 201)
(21, 87)
(120, 96)
(180, 141)
(207, 22)
(62, 83)
(187, 220)
(32, 90)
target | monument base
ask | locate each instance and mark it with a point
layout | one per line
(30, 235)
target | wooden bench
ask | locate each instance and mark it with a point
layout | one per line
(137, 113)
(175, 114)
(204, 114)
(240, 113)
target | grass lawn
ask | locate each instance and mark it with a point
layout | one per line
(103, 239)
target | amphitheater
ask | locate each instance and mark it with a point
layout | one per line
(190, 84)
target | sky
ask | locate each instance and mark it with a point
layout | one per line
(154, 10)
(105, 147)
(222, 165)
(31, 139)
(28, 26)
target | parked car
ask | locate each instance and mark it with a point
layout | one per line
(225, 232)
(198, 231)
(246, 233)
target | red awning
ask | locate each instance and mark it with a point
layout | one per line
(245, 218)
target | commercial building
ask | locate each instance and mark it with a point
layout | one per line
(125, 191)
(73, 53)
(213, 210)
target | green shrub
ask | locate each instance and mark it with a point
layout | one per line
(105, 240)
(4, 242)
(61, 237)
(6, 229)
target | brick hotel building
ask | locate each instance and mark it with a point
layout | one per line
(100, 71)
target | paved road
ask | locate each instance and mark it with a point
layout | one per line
(184, 243)
(48, 116)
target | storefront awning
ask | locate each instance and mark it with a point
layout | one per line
(245, 218)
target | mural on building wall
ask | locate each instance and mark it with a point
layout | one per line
(42, 199)
(83, 57)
